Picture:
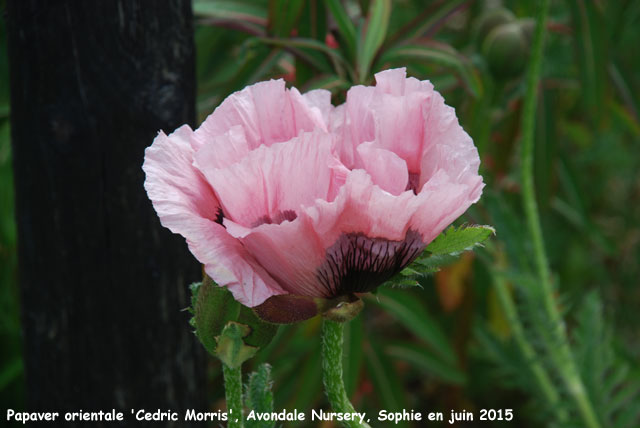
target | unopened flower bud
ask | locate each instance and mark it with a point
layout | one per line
(490, 20)
(506, 50)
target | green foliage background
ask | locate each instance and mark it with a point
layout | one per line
(471, 335)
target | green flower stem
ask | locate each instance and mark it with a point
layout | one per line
(561, 353)
(332, 337)
(233, 394)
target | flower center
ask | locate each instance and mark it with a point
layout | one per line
(357, 263)
(413, 183)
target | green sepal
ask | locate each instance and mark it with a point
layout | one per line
(213, 308)
(261, 333)
(231, 348)
(343, 310)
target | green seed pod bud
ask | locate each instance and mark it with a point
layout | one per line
(506, 51)
(527, 26)
(491, 19)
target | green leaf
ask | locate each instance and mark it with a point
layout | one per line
(442, 251)
(375, 32)
(259, 397)
(331, 83)
(309, 50)
(424, 360)
(231, 11)
(308, 382)
(231, 348)
(455, 241)
(440, 54)
(345, 26)
(385, 380)
(414, 317)
(284, 16)
(313, 21)
(429, 21)
(10, 371)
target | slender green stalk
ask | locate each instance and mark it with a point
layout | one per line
(539, 373)
(233, 394)
(332, 337)
(561, 353)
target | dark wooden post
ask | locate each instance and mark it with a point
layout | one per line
(103, 284)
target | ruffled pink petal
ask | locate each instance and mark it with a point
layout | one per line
(296, 253)
(178, 190)
(391, 114)
(392, 81)
(407, 117)
(229, 263)
(312, 109)
(388, 223)
(290, 251)
(400, 125)
(186, 204)
(267, 113)
(441, 201)
(362, 207)
(272, 181)
(387, 169)
(223, 150)
(300, 254)
(447, 146)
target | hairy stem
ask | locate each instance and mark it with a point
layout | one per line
(332, 336)
(561, 353)
(233, 394)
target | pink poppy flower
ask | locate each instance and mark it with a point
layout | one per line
(286, 199)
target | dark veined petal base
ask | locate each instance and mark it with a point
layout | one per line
(357, 263)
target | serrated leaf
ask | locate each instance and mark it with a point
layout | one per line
(375, 32)
(431, 263)
(400, 282)
(454, 241)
